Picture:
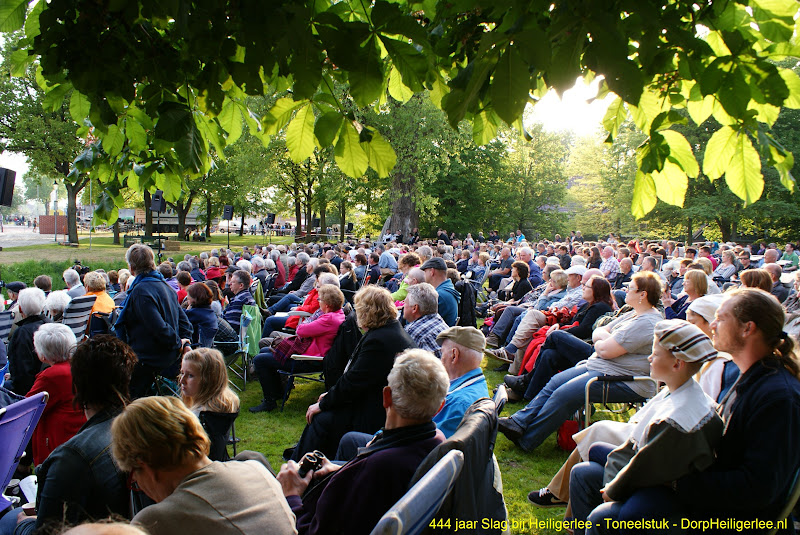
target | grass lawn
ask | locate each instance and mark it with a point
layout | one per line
(271, 433)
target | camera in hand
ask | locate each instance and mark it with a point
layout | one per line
(311, 462)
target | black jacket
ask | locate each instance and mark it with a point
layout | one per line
(586, 316)
(359, 391)
(474, 495)
(344, 344)
(22, 360)
(466, 305)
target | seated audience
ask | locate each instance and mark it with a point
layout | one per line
(96, 285)
(200, 314)
(204, 383)
(55, 304)
(757, 278)
(72, 279)
(435, 271)
(695, 285)
(22, 360)
(423, 322)
(193, 494)
(416, 389)
(240, 286)
(406, 263)
(780, 291)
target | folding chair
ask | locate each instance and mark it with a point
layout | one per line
(613, 379)
(316, 376)
(786, 511)
(6, 320)
(481, 296)
(77, 313)
(247, 345)
(414, 511)
(17, 422)
(221, 429)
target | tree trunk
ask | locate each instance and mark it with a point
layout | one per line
(689, 232)
(241, 227)
(724, 227)
(208, 216)
(148, 216)
(342, 217)
(116, 232)
(404, 211)
(322, 223)
(734, 231)
(72, 211)
(298, 214)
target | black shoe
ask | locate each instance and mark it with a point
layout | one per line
(502, 368)
(515, 382)
(545, 498)
(288, 452)
(266, 405)
(510, 429)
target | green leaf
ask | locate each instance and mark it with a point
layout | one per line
(793, 83)
(170, 184)
(616, 114)
(12, 14)
(699, 107)
(680, 152)
(327, 126)
(366, 81)
(191, 148)
(671, 184)
(484, 127)
(300, 134)
(20, 61)
(648, 109)
(32, 22)
(719, 152)
(136, 134)
(744, 176)
(510, 85)
(79, 106)
(438, 91)
(282, 112)
(644, 195)
(55, 96)
(350, 156)
(397, 89)
(412, 65)
(666, 119)
(231, 121)
(175, 122)
(212, 131)
(113, 141)
(380, 154)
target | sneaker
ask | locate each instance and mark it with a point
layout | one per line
(492, 340)
(545, 498)
(511, 429)
(500, 354)
(266, 405)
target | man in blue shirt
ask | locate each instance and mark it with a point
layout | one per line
(436, 275)
(462, 351)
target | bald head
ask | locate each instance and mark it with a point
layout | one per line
(775, 271)
(770, 256)
(608, 251)
(591, 272)
(116, 528)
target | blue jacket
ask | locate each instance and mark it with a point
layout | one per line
(204, 323)
(79, 480)
(448, 302)
(152, 322)
(462, 393)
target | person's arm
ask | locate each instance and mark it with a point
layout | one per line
(609, 348)
(64, 488)
(367, 371)
(321, 326)
(584, 329)
(185, 329)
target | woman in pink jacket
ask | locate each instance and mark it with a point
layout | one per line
(313, 338)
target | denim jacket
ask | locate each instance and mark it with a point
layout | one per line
(79, 480)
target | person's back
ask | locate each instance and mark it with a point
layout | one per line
(237, 497)
(448, 302)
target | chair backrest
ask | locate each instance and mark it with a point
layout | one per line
(3, 372)
(252, 332)
(412, 513)
(218, 427)
(17, 422)
(76, 315)
(6, 320)
(500, 398)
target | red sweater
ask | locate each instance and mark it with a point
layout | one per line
(310, 305)
(60, 421)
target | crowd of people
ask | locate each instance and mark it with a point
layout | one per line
(706, 330)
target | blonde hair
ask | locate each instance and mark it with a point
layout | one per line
(699, 281)
(559, 278)
(158, 431)
(94, 282)
(214, 394)
(708, 267)
(374, 307)
(331, 296)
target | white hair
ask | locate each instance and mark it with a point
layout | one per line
(419, 384)
(71, 277)
(54, 342)
(31, 301)
(257, 262)
(56, 302)
(245, 265)
(425, 297)
(328, 278)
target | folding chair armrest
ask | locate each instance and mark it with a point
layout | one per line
(611, 379)
(311, 358)
(299, 313)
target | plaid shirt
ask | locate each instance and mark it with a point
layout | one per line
(424, 332)
(573, 297)
(611, 265)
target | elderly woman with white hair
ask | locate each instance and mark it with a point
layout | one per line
(22, 359)
(55, 304)
(54, 344)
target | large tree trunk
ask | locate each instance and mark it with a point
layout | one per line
(404, 211)
(322, 223)
(298, 213)
(72, 211)
(116, 232)
(342, 218)
(208, 216)
(183, 210)
(689, 232)
(241, 227)
(724, 227)
(148, 216)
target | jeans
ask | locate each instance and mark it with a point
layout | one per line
(513, 330)
(286, 303)
(350, 444)
(273, 323)
(585, 482)
(267, 367)
(562, 396)
(503, 325)
(560, 351)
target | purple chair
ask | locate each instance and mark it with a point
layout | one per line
(17, 422)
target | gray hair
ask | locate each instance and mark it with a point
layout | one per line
(31, 301)
(416, 273)
(56, 302)
(204, 256)
(425, 253)
(54, 342)
(257, 263)
(527, 250)
(245, 265)
(194, 263)
(328, 278)
(71, 277)
(303, 258)
(270, 265)
(184, 266)
(419, 384)
(425, 297)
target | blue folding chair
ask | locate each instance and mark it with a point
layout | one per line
(414, 511)
(6, 320)
(17, 422)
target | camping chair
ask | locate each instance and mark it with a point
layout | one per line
(607, 379)
(786, 511)
(76, 315)
(316, 376)
(413, 512)
(221, 429)
(17, 422)
(247, 345)
(6, 320)
(480, 292)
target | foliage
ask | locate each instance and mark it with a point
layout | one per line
(175, 75)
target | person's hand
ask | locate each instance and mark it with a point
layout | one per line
(605, 497)
(552, 328)
(319, 400)
(312, 411)
(22, 516)
(327, 468)
(291, 482)
(186, 345)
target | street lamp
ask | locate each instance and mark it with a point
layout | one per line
(55, 210)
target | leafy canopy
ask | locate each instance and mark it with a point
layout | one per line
(163, 82)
